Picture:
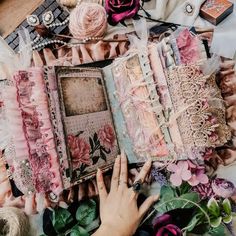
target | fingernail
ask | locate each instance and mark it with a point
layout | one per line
(98, 170)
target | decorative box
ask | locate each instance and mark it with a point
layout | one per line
(215, 11)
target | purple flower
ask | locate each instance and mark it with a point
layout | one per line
(119, 10)
(222, 188)
(204, 190)
(163, 226)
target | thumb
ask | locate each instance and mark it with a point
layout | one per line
(147, 204)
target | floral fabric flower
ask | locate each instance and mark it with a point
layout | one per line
(163, 226)
(79, 149)
(180, 172)
(204, 190)
(223, 188)
(106, 136)
(119, 10)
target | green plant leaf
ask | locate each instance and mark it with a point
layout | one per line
(218, 231)
(215, 222)
(86, 213)
(79, 133)
(227, 206)
(60, 218)
(213, 207)
(78, 231)
(184, 188)
(194, 221)
(227, 219)
(170, 202)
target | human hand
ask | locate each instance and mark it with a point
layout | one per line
(119, 213)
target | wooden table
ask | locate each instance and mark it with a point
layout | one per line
(13, 12)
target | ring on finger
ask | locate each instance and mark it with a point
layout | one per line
(137, 186)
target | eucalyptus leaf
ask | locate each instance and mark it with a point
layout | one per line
(60, 218)
(215, 222)
(78, 231)
(227, 206)
(213, 207)
(86, 213)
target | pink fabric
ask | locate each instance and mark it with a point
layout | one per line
(188, 47)
(162, 89)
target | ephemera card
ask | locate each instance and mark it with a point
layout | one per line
(90, 136)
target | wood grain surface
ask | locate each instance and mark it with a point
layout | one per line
(13, 12)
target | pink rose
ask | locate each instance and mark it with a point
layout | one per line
(222, 188)
(79, 151)
(119, 10)
(106, 136)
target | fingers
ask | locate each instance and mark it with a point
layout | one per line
(144, 171)
(101, 186)
(116, 174)
(146, 205)
(123, 169)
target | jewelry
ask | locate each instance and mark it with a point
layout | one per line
(58, 23)
(32, 20)
(137, 185)
(48, 18)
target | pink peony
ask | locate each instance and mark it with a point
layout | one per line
(222, 188)
(79, 151)
(106, 136)
(119, 10)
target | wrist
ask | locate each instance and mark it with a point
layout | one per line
(108, 229)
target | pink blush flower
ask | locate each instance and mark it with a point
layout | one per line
(180, 172)
(106, 136)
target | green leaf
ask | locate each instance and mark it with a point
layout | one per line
(215, 222)
(227, 206)
(213, 207)
(170, 202)
(86, 213)
(102, 155)
(60, 218)
(218, 231)
(194, 221)
(78, 231)
(227, 219)
(184, 188)
(91, 143)
(95, 159)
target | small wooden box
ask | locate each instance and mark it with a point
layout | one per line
(215, 11)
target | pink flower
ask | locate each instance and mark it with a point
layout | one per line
(222, 187)
(119, 10)
(106, 136)
(181, 172)
(198, 174)
(79, 151)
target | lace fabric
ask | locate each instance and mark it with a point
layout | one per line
(197, 100)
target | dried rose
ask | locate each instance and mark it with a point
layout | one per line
(119, 10)
(222, 188)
